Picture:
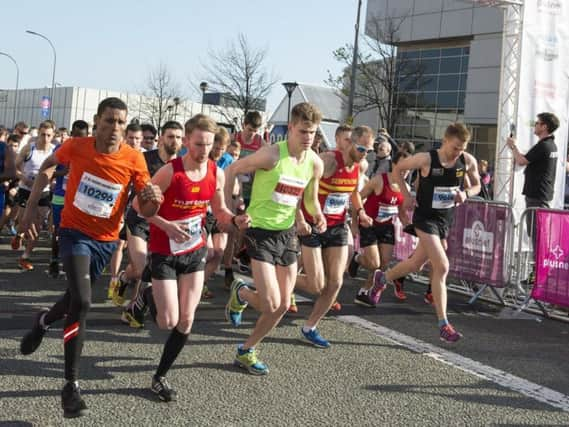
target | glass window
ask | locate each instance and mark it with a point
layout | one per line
(447, 100)
(407, 100)
(409, 54)
(464, 65)
(430, 53)
(461, 98)
(407, 83)
(450, 65)
(449, 82)
(466, 50)
(453, 51)
(462, 83)
(430, 66)
(427, 99)
(427, 83)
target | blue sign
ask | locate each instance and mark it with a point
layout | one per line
(45, 106)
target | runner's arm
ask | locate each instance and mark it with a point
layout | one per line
(473, 176)
(20, 157)
(420, 162)
(162, 179)
(9, 164)
(219, 208)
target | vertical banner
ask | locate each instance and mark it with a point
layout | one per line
(477, 243)
(544, 83)
(552, 258)
(45, 105)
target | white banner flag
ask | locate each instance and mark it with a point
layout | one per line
(544, 84)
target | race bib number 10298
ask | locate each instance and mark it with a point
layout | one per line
(96, 196)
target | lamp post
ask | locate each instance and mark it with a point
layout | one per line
(290, 87)
(176, 103)
(203, 87)
(354, 64)
(17, 83)
(53, 73)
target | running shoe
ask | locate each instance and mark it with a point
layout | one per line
(428, 298)
(118, 294)
(133, 316)
(234, 307)
(12, 230)
(398, 289)
(247, 359)
(378, 286)
(353, 267)
(313, 337)
(112, 286)
(206, 293)
(336, 306)
(162, 389)
(293, 308)
(364, 300)
(449, 335)
(16, 241)
(73, 405)
(53, 269)
(32, 340)
(25, 264)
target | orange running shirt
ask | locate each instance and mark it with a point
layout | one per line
(97, 187)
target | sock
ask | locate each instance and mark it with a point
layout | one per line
(362, 291)
(306, 329)
(241, 350)
(443, 322)
(357, 258)
(174, 344)
(42, 322)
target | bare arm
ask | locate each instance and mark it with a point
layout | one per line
(218, 206)
(9, 164)
(162, 179)
(473, 176)
(21, 156)
(519, 158)
(420, 162)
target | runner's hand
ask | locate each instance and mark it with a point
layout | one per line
(409, 203)
(242, 221)
(303, 228)
(460, 197)
(365, 220)
(176, 233)
(152, 193)
(320, 222)
(26, 224)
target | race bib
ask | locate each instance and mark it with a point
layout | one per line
(192, 226)
(336, 203)
(386, 212)
(288, 190)
(96, 196)
(443, 197)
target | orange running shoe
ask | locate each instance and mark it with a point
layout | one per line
(336, 306)
(398, 289)
(25, 264)
(16, 242)
(293, 308)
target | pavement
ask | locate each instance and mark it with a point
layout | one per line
(386, 365)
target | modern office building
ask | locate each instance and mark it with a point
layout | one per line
(455, 48)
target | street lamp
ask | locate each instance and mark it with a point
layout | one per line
(17, 83)
(53, 73)
(203, 87)
(290, 87)
(354, 64)
(176, 103)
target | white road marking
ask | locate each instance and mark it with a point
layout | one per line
(504, 379)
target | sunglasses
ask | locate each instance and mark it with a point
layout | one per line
(363, 150)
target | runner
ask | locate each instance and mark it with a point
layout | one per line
(28, 164)
(138, 230)
(441, 175)
(100, 170)
(178, 242)
(282, 172)
(324, 255)
(383, 201)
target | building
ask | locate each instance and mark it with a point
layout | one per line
(74, 103)
(329, 101)
(456, 45)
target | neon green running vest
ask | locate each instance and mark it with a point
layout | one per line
(276, 192)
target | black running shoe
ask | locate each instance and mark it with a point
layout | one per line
(364, 300)
(353, 267)
(73, 405)
(149, 299)
(162, 389)
(32, 340)
(53, 269)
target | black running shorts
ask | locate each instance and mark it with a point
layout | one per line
(278, 247)
(169, 267)
(334, 236)
(383, 234)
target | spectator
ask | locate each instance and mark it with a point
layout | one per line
(382, 162)
(485, 179)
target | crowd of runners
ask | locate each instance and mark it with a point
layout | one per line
(191, 199)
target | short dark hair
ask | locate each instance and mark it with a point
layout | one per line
(14, 137)
(146, 127)
(253, 118)
(21, 125)
(305, 112)
(134, 127)
(400, 155)
(112, 103)
(407, 146)
(79, 125)
(342, 128)
(172, 125)
(550, 120)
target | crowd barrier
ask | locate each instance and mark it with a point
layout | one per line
(488, 252)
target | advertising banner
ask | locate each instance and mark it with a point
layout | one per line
(552, 258)
(45, 105)
(544, 83)
(477, 243)
(405, 243)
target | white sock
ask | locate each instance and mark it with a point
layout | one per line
(362, 291)
(306, 329)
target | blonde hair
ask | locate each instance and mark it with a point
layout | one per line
(201, 122)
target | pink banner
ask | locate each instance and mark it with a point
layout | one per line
(552, 258)
(477, 243)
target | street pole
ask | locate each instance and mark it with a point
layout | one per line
(203, 87)
(17, 84)
(52, 93)
(289, 87)
(354, 65)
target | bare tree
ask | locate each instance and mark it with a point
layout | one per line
(161, 97)
(381, 75)
(240, 74)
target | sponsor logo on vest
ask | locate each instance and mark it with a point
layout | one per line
(478, 239)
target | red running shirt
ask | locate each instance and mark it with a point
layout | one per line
(185, 202)
(384, 206)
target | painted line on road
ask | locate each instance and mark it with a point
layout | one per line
(504, 379)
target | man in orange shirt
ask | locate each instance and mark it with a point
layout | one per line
(100, 171)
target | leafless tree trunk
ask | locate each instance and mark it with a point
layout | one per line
(240, 74)
(161, 97)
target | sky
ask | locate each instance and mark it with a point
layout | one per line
(115, 44)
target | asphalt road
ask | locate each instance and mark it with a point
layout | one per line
(363, 379)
